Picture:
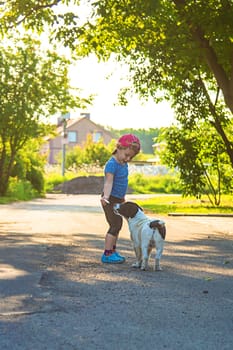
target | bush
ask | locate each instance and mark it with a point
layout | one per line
(21, 190)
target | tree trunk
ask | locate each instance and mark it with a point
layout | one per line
(217, 123)
(6, 164)
(212, 61)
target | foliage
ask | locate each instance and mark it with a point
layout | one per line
(35, 14)
(34, 83)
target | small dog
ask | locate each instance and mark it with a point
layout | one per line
(144, 232)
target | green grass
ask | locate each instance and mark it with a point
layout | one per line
(164, 204)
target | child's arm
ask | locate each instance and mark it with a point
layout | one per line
(107, 188)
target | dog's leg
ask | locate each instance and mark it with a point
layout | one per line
(149, 250)
(145, 256)
(157, 265)
(159, 252)
(138, 254)
(135, 238)
(144, 266)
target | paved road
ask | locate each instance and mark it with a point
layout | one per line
(55, 293)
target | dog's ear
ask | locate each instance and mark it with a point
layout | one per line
(139, 207)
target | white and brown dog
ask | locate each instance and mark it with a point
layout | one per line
(145, 234)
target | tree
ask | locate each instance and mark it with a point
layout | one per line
(33, 84)
(198, 154)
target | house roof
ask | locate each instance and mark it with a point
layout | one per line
(71, 122)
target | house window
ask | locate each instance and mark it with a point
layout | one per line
(72, 136)
(96, 136)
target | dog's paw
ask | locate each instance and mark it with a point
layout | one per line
(145, 264)
(144, 267)
(136, 265)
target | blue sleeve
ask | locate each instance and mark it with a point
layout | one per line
(110, 167)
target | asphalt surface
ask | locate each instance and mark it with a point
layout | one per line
(56, 294)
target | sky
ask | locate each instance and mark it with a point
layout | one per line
(105, 80)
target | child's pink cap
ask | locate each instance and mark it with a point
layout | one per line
(128, 140)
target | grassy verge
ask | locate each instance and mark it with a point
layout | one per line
(166, 204)
(20, 191)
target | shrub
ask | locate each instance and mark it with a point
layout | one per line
(21, 190)
(149, 184)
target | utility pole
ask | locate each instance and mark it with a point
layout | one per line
(64, 141)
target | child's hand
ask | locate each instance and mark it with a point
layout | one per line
(104, 201)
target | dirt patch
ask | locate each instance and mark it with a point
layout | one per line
(81, 185)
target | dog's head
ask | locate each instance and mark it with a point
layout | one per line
(127, 209)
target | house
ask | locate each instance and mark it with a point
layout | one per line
(73, 132)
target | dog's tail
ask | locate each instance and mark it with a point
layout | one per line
(160, 225)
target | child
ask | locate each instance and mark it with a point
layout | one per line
(115, 187)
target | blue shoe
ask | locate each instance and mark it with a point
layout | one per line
(111, 259)
(120, 256)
